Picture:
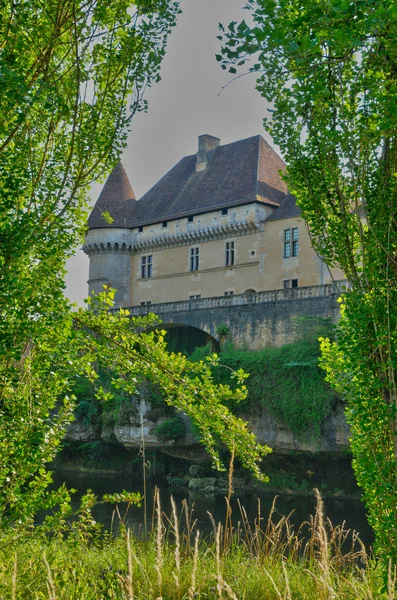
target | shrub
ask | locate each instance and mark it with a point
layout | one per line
(223, 330)
(88, 411)
(170, 429)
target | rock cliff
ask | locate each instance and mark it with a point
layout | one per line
(140, 425)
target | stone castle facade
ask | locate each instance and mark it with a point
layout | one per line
(219, 223)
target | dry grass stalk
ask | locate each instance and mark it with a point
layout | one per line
(212, 523)
(192, 588)
(364, 592)
(222, 585)
(185, 509)
(321, 548)
(245, 522)
(50, 581)
(177, 575)
(258, 529)
(130, 589)
(279, 596)
(228, 519)
(218, 561)
(143, 571)
(159, 544)
(143, 454)
(391, 581)
(14, 577)
(287, 586)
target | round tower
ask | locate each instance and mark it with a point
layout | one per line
(108, 241)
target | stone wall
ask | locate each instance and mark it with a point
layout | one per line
(256, 320)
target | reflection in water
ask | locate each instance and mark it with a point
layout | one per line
(338, 511)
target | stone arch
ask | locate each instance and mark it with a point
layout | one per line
(185, 338)
(250, 291)
(181, 337)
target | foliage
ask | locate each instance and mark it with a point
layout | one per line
(73, 75)
(201, 352)
(223, 330)
(171, 429)
(137, 357)
(286, 381)
(329, 72)
(93, 340)
(88, 412)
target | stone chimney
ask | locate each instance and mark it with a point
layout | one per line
(206, 147)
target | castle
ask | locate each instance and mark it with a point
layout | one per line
(219, 223)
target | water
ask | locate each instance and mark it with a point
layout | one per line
(338, 510)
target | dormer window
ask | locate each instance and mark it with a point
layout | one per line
(224, 211)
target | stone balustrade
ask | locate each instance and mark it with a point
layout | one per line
(300, 293)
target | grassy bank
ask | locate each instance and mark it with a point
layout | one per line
(255, 561)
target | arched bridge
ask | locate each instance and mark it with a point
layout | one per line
(253, 320)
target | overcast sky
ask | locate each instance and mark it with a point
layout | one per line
(187, 102)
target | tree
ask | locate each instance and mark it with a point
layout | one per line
(329, 71)
(73, 75)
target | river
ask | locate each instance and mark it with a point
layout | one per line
(352, 512)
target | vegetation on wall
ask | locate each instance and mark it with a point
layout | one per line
(286, 381)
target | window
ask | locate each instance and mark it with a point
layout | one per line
(291, 243)
(194, 296)
(165, 223)
(146, 302)
(194, 258)
(295, 245)
(190, 219)
(229, 293)
(140, 229)
(229, 258)
(146, 266)
(224, 211)
(290, 283)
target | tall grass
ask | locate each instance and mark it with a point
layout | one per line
(261, 560)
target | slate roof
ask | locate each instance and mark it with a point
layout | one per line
(238, 173)
(287, 209)
(117, 198)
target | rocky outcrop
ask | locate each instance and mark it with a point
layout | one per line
(80, 432)
(334, 434)
(139, 426)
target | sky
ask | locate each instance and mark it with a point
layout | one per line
(189, 101)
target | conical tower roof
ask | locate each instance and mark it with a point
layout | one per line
(117, 199)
